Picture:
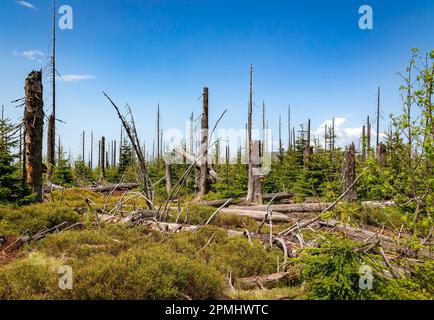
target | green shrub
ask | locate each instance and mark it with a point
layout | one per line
(15, 220)
(332, 271)
(30, 279)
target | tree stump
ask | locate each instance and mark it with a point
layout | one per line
(349, 172)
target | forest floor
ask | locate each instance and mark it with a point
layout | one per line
(119, 252)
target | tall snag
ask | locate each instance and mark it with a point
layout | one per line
(52, 119)
(102, 163)
(349, 173)
(33, 132)
(254, 187)
(203, 172)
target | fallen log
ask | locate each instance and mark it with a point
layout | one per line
(266, 197)
(277, 196)
(311, 207)
(113, 187)
(257, 215)
(267, 282)
(389, 244)
(285, 208)
(217, 203)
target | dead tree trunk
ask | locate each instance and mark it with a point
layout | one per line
(50, 147)
(102, 158)
(369, 134)
(308, 150)
(251, 177)
(350, 173)
(33, 132)
(381, 153)
(257, 176)
(130, 128)
(168, 177)
(364, 144)
(280, 140)
(203, 173)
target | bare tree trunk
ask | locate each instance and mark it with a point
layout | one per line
(369, 133)
(203, 173)
(168, 177)
(350, 173)
(102, 158)
(52, 119)
(381, 154)
(364, 144)
(33, 134)
(289, 129)
(115, 154)
(251, 178)
(257, 177)
(378, 117)
(50, 148)
(91, 150)
(280, 140)
(308, 150)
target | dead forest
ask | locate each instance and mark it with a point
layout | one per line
(202, 221)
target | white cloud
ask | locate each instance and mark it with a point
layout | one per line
(76, 77)
(26, 5)
(344, 136)
(30, 54)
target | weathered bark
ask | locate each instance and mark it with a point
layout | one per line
(203, 173)
(102, 158)
(364, 144)
(381, 153)
(310, 207)
(349, 172)
(286, 208)
(257, 176)
(115, 187)
(50, 147)
(388, 243)
(249, 144)
(168, 169)
(368, 138)
(33, 135)
(269, 196)
(308, 150)
(191, 159)
(256, 215)
(267, 282)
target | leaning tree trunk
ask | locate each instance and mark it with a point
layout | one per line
(203, 173)
(349, 173)
(34, 130)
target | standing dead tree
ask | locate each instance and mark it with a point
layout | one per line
(102, 160)
(202, 180)
(33, 132)
(349, 173)
(168, 169)
(130, 128)
(254, 187)
(308, 149)
(52, 119)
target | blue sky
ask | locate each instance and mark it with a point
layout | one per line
(310, 54)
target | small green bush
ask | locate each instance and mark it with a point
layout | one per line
(15, 220)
